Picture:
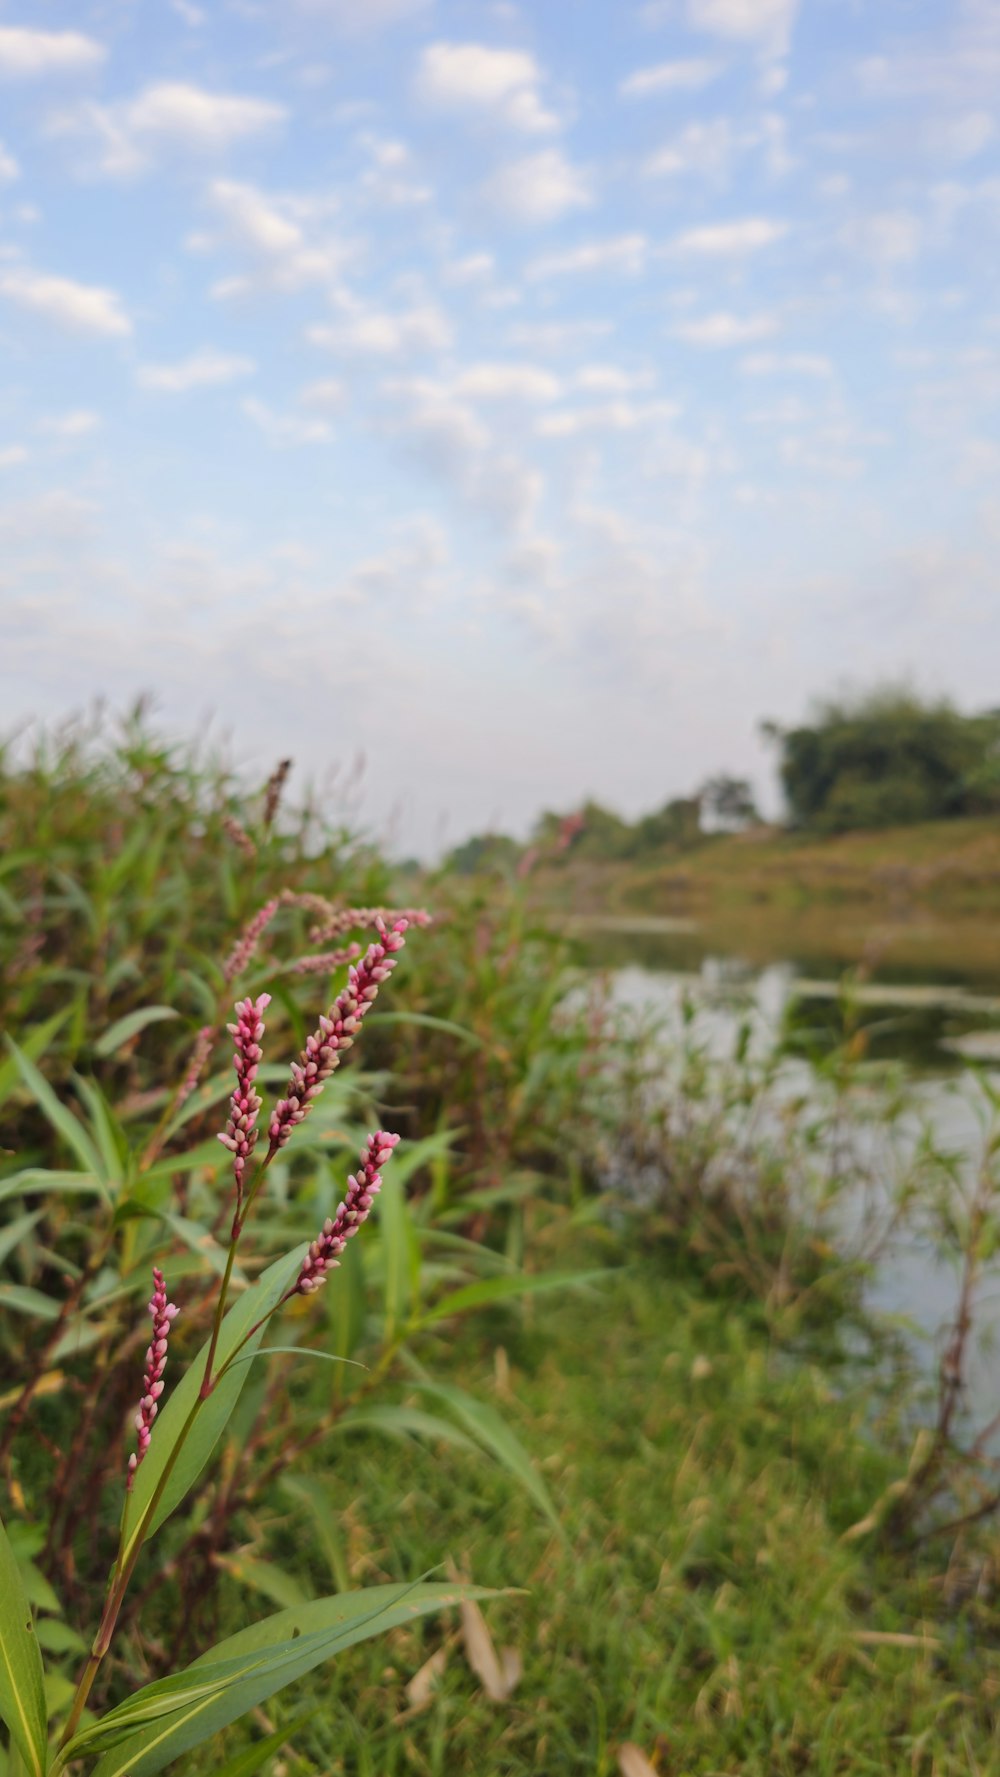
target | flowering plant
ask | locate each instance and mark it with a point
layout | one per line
(167, 1718)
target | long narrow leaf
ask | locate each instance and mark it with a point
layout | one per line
(483, 1423)
(282, 1647)
(212, 1415)
(12, 1235)
(246, 1763)
(35, 1179)
(119, 1033)
(62, 1120)
(405, 1422)
(23, 1300)
(22, 1694)
(499, 1289)
(34, 1046)
(314, 1493)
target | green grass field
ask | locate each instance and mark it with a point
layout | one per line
(704, 1604)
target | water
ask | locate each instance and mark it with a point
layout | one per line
(930, 1026)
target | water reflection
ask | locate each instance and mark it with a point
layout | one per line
(922, 1025)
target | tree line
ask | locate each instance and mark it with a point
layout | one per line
(883, 759)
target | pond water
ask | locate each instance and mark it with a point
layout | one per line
(933, 1026)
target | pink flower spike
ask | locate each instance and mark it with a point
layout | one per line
(336, 1032)
(245, 946)
(244, 1107)
(362, 1189)
(162, 1313)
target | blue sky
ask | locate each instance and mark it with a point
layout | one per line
(530, 397)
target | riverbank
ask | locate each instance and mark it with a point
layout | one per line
(706, 1605)
(945, 866)
(918, 904)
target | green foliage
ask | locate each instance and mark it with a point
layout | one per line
(889, 759)
(22, 1697)
(130, 872)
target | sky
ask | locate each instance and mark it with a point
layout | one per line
(528, 398)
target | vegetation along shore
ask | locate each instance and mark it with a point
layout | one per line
(619, 1467)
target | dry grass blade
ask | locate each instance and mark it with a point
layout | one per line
(633, 1763)
(423, 1683)
(497, 1673)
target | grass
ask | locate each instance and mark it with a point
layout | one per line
(704, 1604)
(953, 864)
(921, 900)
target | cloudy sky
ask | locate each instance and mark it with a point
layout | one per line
(531, 396)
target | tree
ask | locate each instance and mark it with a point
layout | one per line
(887, 758)
(728, 801)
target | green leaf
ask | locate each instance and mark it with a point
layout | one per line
(276, 1651)
(35, 1044)
(37, 1178)
(56, 1637)
(108, 1135)
(22, 1300)
(404, 1422)
(246, 1763)
(12, 1235)
(199, 1239)
(429, 1022)
(22, 1694)
(208, 1153)
(118, 1034)
(208, 1418)
(61, 1119)
(328, 1357)
(398, 1251)
(484, 1424)
(265, 1577)
(498, 1289)
(314, 1494)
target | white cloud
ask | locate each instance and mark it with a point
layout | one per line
(26, 54)
(185, 115)
(326, 396)
(283, 430)
(787, 364)
(500, 85)
(505, 382)
(609, 416)
(889, 237)
(449, 439)
(9, 169)
(268, 230)
(962, 138)
(726, 330)
(623, 253)
(449, 432)
(473, 269)
(608, 379)
(721, 240)
(766, 24)
(558, 336)
(75, 424)
(203, 370)
(378, 334)
(363, 17)
(387, 181)
(408, 572)
(540, 188)
(702, 149)
(671, 77)
(75, 307)
(171, 115)
(12, 456)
